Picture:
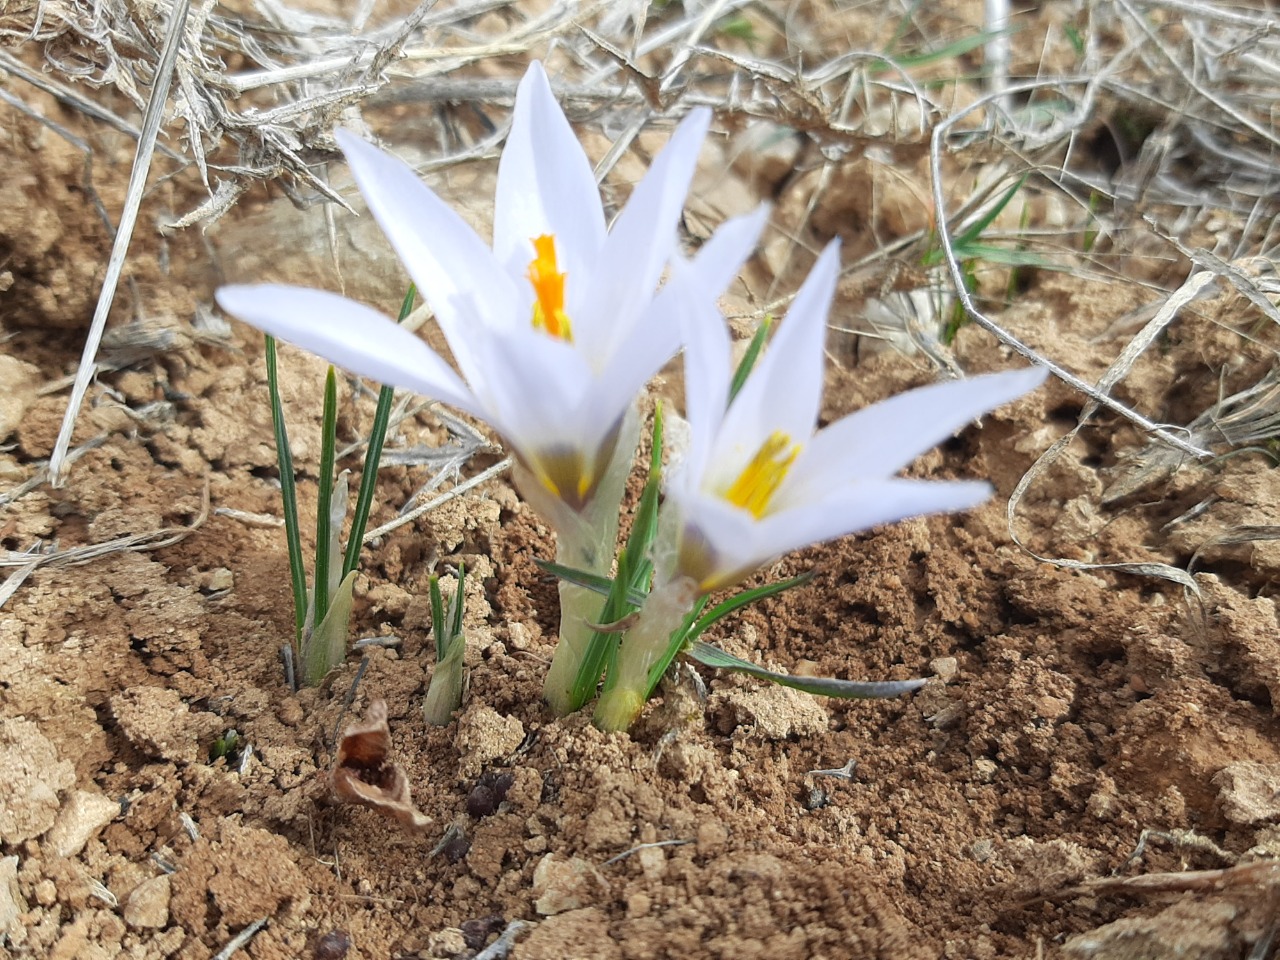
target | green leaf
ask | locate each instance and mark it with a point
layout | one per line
(750, 357)
(372, 457)
(740, 600)
(327, 643)
(592, 581)
(324, 522)
(713, 656)
(437, 618)
(976, 229)
(288, 494)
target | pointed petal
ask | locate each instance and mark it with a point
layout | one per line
(707, 362)
(641, 242)
(741, 545)
(350, 335)
(880, 440)
(861, 506)
(454, 271)
(784, 392)
(545, 185)
(721, 258)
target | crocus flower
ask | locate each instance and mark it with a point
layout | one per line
(555, 327)
(757, 481)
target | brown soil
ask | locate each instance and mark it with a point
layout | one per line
(1070, 711)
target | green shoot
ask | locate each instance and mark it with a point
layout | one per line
(750, 357)
(288, 493)
(322, 615)
(324, 511)
(372, 457)
(448, 680)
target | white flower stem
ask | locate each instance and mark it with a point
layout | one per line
(585, 540)
(661, 616)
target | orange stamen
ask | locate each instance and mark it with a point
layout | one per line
(548, 289)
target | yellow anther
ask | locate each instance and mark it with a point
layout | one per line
(762, 477)
(548, 289)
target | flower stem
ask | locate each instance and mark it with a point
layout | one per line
(663, 614)
(585, 540)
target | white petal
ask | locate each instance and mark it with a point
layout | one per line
(545, 185)
(640, 242)
(349, 334)
(707, 363)
(721, 258)
(784, 391)
(861, 506)
(880, 440)
(741, 545)
(453, 268)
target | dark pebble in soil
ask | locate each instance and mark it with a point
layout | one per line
(490, 790)
(476, 933)
(332, 946)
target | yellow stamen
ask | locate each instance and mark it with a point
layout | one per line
(762, 477)
(548, 289)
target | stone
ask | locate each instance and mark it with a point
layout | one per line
(563, 885)
(80, 818)
(148, 904)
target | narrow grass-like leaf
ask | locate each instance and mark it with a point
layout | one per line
(979, 226)
(448, 679)
(713, 656)
(372, 458)
(438, 618)
(456, 605)
(740, 600)
(750, 357)
(328, 446)
(592, 581)
(288, 494)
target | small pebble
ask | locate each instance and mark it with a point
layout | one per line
(332, 946)
(455, 848)
(476, 933)
(488, 793)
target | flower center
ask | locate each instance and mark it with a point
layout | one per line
(548, 289)
(762, 477)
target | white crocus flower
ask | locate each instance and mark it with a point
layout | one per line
(758, 482)
(555, 328)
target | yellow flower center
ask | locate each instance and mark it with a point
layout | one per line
(548, 289)
(762, 477)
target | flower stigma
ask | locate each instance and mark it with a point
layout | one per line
(761, 478)
(548, 289)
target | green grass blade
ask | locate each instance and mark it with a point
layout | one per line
(740, 600)
(592, 581)
(750, 357)
(713, 656)
(288, 494)
(457, 604)
(328, 448)
(372, 457)
(979, 226)
(437, 619)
